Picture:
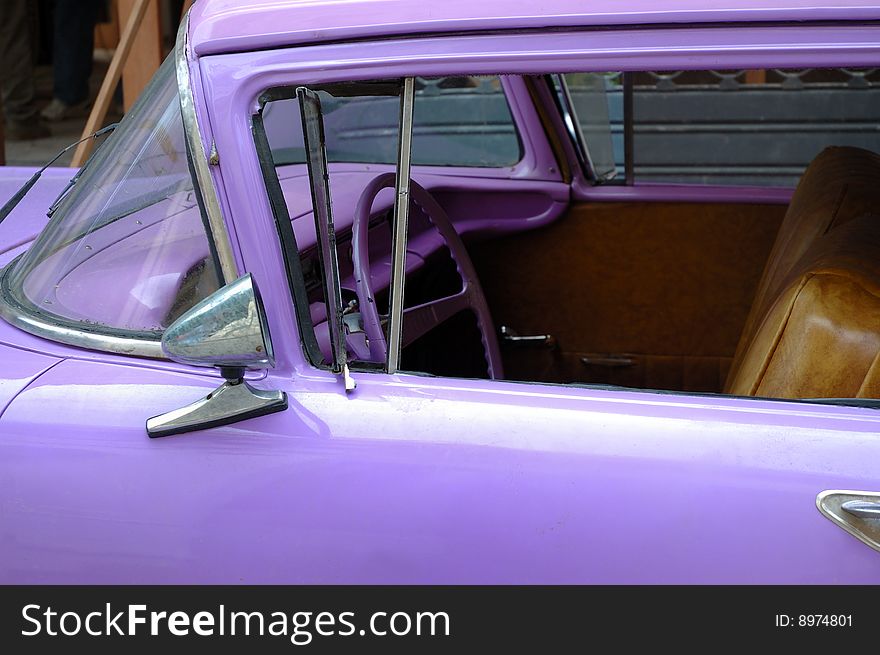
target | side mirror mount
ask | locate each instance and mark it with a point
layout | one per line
(227, 330)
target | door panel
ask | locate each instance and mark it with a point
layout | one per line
(652, 295)
(425, 480)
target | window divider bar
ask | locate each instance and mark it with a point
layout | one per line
(628, 129)
(401, 223)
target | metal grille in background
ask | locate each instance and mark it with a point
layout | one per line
(743, 127)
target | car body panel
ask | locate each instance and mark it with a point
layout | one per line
(20, 368)
(417, 479)
(29, 218)
(337, 491)
(230, 25)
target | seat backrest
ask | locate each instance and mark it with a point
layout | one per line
(809, 261)
(821, 336)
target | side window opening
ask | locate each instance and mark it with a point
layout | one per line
(727, 127)
(458, 121)
(662, 296)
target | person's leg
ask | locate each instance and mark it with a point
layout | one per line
(74, 48)
(17, 72)
(16, 65)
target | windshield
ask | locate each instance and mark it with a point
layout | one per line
(126, 248)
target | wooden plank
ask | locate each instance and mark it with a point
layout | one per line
(107, 34)
(756, 77)
(146, 52)
(111, 79)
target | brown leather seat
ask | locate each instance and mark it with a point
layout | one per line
(814, 327)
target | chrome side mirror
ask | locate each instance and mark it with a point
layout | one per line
(228, 330)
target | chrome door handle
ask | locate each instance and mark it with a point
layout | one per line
(864, 509)
(510, 336)
(857, 512)
(608, 361)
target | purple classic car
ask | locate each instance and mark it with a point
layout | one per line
(459, 292)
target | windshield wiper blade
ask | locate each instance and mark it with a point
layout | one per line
(12, 203)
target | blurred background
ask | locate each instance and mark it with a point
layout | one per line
(54, 57)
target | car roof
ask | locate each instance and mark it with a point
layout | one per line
(238, 25)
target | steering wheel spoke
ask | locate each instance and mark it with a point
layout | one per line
(420, 319)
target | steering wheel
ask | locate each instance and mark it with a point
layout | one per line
(420, 319)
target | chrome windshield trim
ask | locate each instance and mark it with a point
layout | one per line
(205, 183)
(136, 343)
(114, 341)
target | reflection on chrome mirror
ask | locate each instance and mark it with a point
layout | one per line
(228, 330)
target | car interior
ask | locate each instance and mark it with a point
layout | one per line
(749, 298)
(753, 300)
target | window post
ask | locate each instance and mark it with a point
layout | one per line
(401, 221)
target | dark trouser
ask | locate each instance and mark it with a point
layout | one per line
(73, 47)
(16, 61)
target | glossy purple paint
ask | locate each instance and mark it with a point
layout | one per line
(29, 218)
(230, 25)
(507, 205)
(656, 192)
(412, 478)
(20, 369)
(377, 491)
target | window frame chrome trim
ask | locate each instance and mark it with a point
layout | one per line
(123, 342)
(204, 183)
(576, 133)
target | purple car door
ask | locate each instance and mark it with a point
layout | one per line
(414, 479)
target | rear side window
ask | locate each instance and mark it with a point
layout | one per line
(739, 127)
(458, 121)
